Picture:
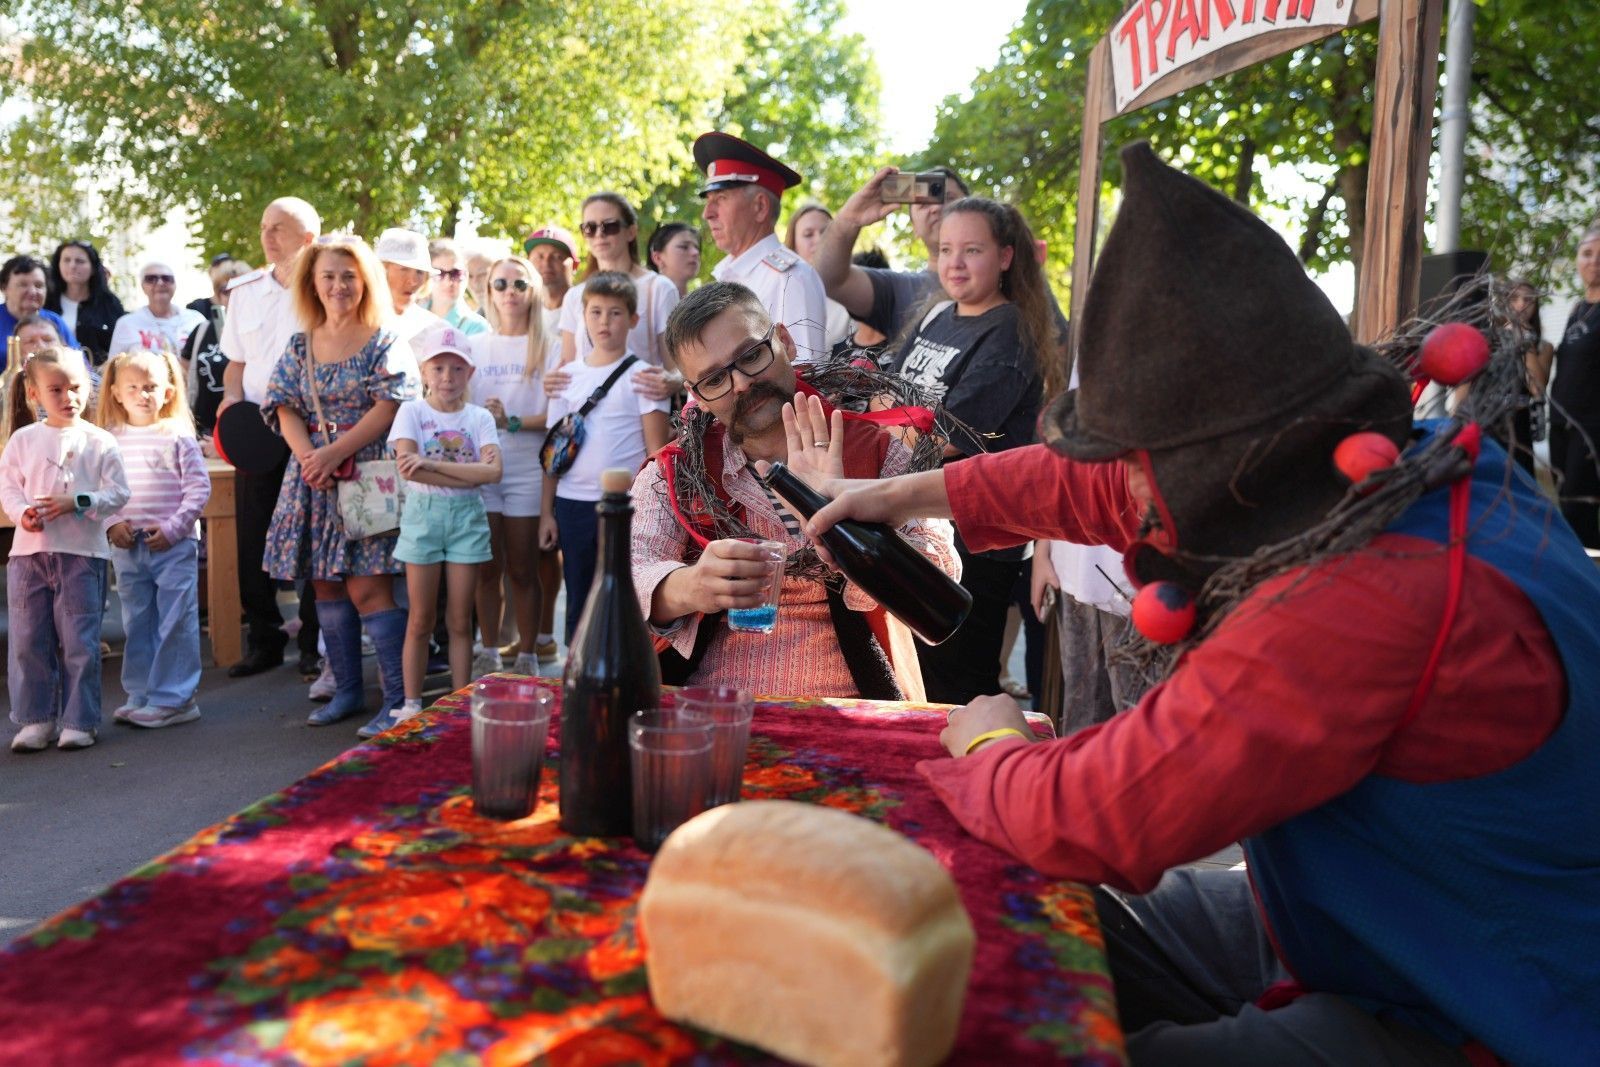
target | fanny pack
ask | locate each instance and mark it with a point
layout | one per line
(561, 444)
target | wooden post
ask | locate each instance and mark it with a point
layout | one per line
(1096, 108)
(1397, 178)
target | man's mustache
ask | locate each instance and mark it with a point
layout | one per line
(757, 394)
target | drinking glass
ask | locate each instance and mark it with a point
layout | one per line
(671, 771)
(510, 720)
(730, 711)
(762, 618)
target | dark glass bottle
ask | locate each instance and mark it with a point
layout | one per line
(611, 673)
(883, 564)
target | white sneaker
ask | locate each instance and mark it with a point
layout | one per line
(527, 663)
(487, 661)
(35, 737)
(409, 709)
(155, 717)
(324, 687)
(71, 738)
(125, 713)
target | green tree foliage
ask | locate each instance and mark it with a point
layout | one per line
(1534, 135)
(422, 111)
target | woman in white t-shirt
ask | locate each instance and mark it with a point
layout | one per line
(611, 230)
(512, 361)
(158, 326)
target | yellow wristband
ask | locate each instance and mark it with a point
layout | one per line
(993, 735)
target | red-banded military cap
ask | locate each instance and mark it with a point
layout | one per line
(729, 162)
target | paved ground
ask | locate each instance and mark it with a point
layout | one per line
(73, 822)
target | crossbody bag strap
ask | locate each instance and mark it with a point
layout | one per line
(605, 387)
(316, 401)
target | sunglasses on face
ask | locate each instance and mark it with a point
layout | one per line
(500, 285)
(609, 227)
(159, 279)
(452, 275)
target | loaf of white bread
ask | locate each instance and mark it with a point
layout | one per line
(817, 935)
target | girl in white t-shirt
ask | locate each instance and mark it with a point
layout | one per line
(59, 480)
(447, 450)
(512, 361)
(611, 230)
(621, 430)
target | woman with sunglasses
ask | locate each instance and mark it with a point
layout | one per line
(81, 294)
(159, 326)
(511, 363)
(448, 298)
(611, 230)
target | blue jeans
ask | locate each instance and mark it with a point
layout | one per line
(160, 594)
(579, 530)
(54, 602)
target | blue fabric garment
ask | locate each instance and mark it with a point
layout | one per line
(578, 527)
(54, 599)
(160, 594)
(1469, 908)
(8, 323)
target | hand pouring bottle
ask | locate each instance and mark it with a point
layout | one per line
(883, 564)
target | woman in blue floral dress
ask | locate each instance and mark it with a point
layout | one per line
(362, 375)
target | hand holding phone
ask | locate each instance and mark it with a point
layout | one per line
(924, 188)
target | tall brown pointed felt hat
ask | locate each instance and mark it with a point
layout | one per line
(1205, 344)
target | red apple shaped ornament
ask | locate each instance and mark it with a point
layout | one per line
(1361, 455)
(1163, 612)
(1453, 353)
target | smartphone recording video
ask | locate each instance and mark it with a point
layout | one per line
(924, 188)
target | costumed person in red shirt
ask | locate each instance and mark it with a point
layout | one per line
(699, 504)
(1390, 693)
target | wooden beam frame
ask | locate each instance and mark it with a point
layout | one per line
(1408, 69)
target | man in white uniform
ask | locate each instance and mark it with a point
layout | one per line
(257, 329)
(743, 194)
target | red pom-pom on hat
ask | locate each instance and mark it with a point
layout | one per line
(1453, 353)
(1163, 612)
(1363, 454)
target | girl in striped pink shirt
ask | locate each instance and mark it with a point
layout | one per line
(154, 539)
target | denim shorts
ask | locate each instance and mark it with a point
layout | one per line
(443, 528)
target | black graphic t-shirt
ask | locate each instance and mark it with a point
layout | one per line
(203, 353)
(977, 366)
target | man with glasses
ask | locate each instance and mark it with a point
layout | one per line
(743, 194)
(700, 504)
(257, 329)
(158, 326)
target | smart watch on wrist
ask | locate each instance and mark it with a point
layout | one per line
(513, 424)
(83, 501)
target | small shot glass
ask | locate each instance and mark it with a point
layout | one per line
(762, 619)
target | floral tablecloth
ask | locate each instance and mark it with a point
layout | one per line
(365, 915)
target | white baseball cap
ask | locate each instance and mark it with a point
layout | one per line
(405, 248)
(440, 340)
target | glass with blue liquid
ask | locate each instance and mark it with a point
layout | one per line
(762, 619)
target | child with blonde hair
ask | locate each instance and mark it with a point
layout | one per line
(154, 539)
(60, 478)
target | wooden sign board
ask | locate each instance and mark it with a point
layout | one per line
(1162, 47)
(1156, 38)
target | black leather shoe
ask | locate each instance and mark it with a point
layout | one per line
(255, 661)
(310, 666)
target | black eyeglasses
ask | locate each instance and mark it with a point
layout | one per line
(451, 275)
(608, 227)
(500, 285)
(159, 279)
(751, 362)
